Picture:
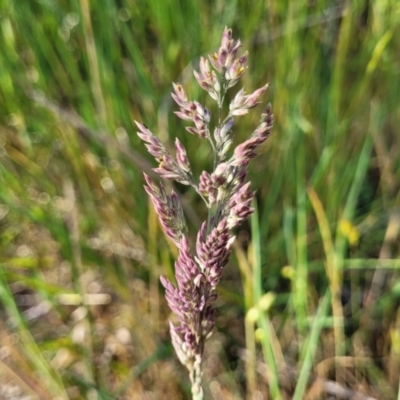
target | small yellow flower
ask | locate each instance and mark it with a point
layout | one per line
(259, 334)
(253, 314)
(266, 301)
(349, 231)
(288, 272)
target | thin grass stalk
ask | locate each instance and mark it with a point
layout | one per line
(263, 321)
(73, 226)
(311, 346)
(301, 276)
(332, 270)
(250, 359)
(93, 60)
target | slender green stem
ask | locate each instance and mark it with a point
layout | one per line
(196, 188)
(263, 321)
(311, 347)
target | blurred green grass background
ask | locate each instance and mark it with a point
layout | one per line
(309, 305)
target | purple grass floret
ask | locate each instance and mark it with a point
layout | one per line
(191, 111)
(168, 168)
(224, 190)
(207, 187)
(169, 210)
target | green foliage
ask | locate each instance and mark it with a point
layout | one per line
(75, 221)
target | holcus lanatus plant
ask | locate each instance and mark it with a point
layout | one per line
(225, 192)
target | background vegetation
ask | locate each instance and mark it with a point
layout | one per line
(309, 305)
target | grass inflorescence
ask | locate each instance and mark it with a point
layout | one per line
(308, 304)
